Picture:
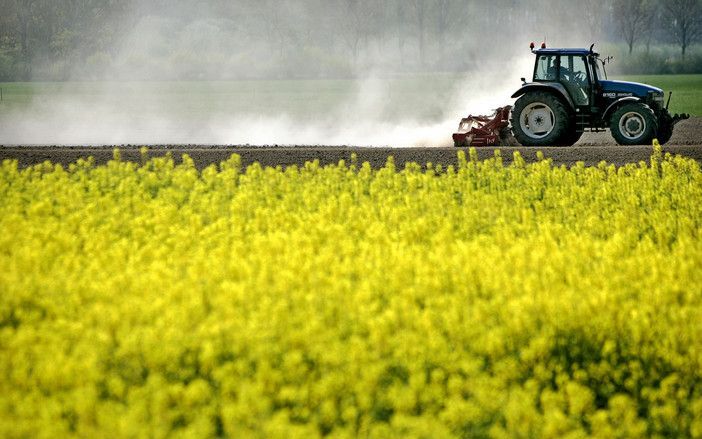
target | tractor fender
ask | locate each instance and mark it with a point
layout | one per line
(552, 87)
(618, 103)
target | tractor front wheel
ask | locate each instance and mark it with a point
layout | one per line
(634, 124)
(540, 119)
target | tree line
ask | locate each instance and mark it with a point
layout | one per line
(220, 39)
(636, 21)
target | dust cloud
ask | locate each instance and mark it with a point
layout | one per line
(405, 87)
(363, 117)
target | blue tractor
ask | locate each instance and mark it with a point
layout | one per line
(570, 94)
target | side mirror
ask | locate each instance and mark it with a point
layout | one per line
(523, 80)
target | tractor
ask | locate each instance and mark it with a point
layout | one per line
(570, 94)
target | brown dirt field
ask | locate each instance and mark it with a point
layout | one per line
(687, 132)
(592, 149)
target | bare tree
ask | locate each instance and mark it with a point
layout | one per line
(401, 19)
(8, 26)
(449, 14)
(653, 18)
(684, 20)
(632, 17)
(24, 11)
(594, 12)
(272, 15)
(355, 22)
(421, 10)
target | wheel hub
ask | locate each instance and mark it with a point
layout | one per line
(632, 125)
(537, 120)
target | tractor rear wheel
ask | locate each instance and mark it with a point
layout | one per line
(540, 119)
(634, 124)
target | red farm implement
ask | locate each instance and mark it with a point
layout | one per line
(485, 130)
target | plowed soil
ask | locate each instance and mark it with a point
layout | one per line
(592, 149)
(687, 132)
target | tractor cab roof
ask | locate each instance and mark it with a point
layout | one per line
(580, 52)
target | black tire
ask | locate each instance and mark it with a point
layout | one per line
(572, 138)
(560, 125)
(634, 124)
(665, 129)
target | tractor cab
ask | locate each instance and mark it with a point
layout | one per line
(570, 68)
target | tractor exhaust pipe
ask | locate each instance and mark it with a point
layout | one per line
(670, 95)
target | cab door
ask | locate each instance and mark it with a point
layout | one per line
(575, 77)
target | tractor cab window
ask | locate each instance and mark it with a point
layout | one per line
(598, 67)
(574, 76)
(546, 68)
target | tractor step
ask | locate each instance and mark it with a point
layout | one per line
(582, 122)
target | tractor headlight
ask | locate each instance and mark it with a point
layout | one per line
(658, 98)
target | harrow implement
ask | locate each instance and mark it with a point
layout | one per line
(485, 130)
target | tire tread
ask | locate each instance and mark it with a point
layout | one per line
(646, 112)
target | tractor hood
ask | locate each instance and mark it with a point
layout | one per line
(624, 88)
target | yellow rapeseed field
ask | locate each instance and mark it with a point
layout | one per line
(153, 300)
